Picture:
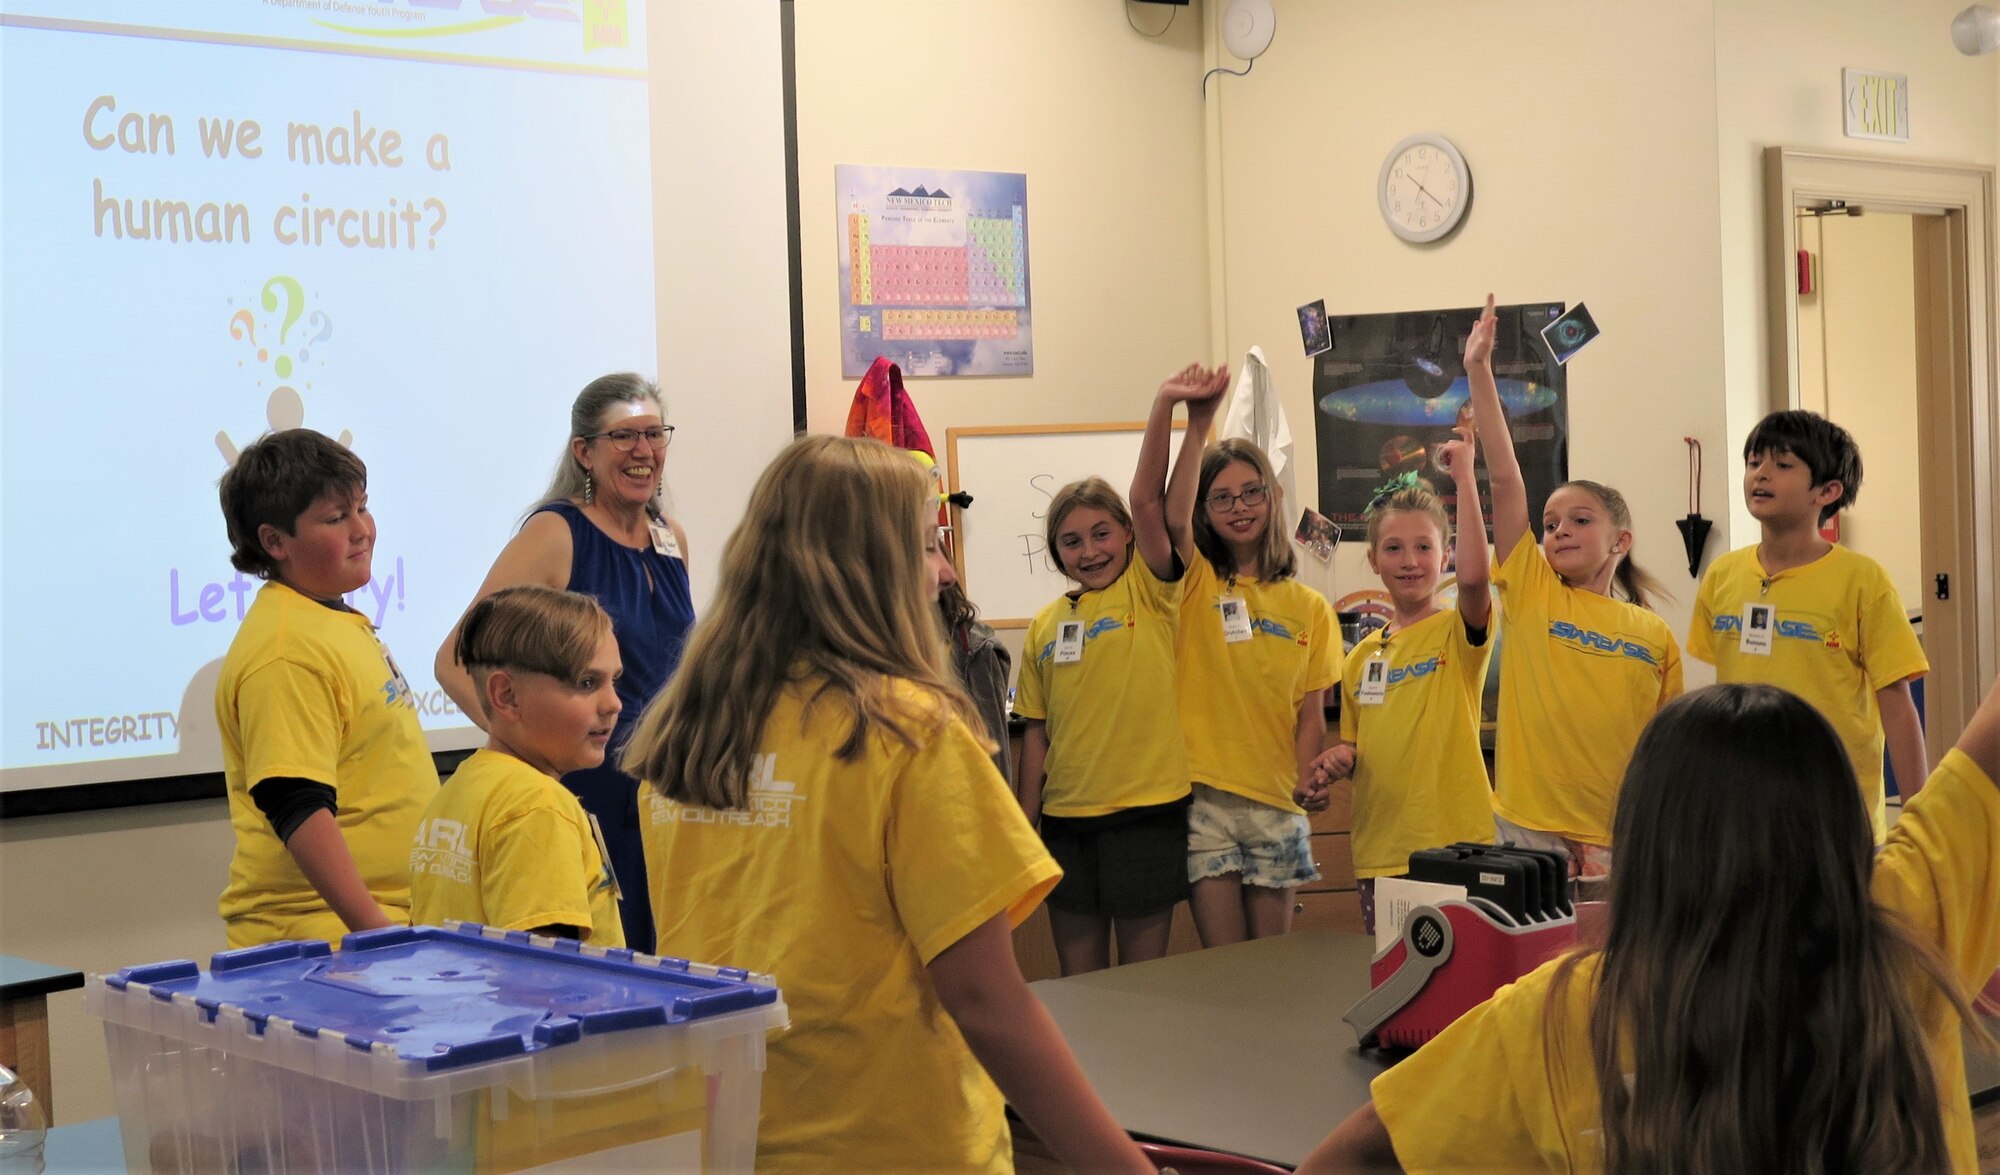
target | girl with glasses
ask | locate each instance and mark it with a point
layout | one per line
(1257, 651)
(600, 529)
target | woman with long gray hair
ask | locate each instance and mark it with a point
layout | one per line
(599, 528)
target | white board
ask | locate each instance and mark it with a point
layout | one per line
(1012, 474)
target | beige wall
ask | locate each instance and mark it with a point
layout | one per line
(1106, 124)
(1858, 365)
(1590, 133)
(101, 890)
(1777, 73)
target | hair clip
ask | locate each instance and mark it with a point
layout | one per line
(1407, 480)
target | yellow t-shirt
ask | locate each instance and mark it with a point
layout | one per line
(504, 845)
(1839, 635)
(845, 880)
(1482, 1095)
(1580, 677)
(1239, 700)
(310, 692)
(1114, 739)
(1419, 778)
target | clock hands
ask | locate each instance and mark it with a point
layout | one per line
(1426, 191)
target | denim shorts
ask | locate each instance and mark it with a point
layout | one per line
(1228, 833)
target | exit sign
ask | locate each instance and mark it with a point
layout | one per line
(1877, 105)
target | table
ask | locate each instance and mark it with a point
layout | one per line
(1242, 1048)
(24, 1022)
(1239, 1048)
(85, 1148)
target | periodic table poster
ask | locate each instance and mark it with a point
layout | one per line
(935, 273)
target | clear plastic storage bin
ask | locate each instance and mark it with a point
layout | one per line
(426, 1049)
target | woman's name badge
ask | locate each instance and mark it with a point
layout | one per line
(664, 542)
(1374, 682)
(1069, 642)
(1759, 622)
(1235, 619)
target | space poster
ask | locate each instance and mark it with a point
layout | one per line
(1393, 387)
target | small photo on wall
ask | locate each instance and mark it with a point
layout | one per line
(1570, 333)
(1317, 533)
(1315, 329)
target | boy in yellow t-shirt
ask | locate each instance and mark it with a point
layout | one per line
(1806, 614)
(504, 843)
(325, 762)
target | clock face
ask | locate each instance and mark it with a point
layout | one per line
(1424, 188)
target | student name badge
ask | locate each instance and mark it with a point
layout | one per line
(604, 855)
(1235, 619)
(1759, 622)
(664, 542)
(1374, 681)
(1069, 642)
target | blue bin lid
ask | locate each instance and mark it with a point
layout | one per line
(449, 997)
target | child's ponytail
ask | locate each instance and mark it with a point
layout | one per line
(1638, 585)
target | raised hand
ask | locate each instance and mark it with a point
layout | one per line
(1205, 407)
(1479, 343)
(1188, 384)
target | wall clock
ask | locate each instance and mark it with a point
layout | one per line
(1424, 188)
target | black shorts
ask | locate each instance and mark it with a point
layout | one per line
(1123, 865)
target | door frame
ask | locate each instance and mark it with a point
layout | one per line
(1959, 437)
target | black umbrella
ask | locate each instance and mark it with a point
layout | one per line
(1694, 528)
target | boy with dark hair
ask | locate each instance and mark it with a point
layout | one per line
(326, 765)
(1800, 612)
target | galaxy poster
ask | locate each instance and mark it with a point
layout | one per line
(1393, 387)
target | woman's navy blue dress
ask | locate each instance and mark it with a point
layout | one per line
(651, 609)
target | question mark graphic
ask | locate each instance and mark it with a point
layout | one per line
(320, 323)
(295, 299)
(242, 325)
(435, 205)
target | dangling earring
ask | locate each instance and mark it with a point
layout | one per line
(589, 488)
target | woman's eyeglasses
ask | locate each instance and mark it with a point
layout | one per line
(628, 439)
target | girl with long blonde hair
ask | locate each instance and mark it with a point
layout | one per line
(819, 808)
